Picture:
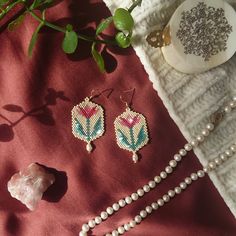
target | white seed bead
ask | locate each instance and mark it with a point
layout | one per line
(166, 198)
(160, 202)
(134, 196)
(114, 233)
(154, 206)
(205, 132)
(146, 188)
(157, 179)
(173, 163)
(200, 138)
(121, 230)
(194, 143)
(194, 176)
(210, 126)
(140, 192)
(128, 200)
(163, 174)
(188, 147)
(98, 220)
(229, 153)
(201, 173)
(177, 157)
(104, 215)
(152, 184)
(127, 227)
(82, 233)
(223, 157)
(182, 152)
(148, 209)
(183, 185)
(143, 213)
(115, 207)
(122, 203)
(132, 223)
(110, 210)
(233, 148)
(178, 190)
(85, 228)
(212, 165)
(138, 219)
(218, 161)
(188, 180)
(91, 224)
(168, 169)
(228, 109)
(171, 193)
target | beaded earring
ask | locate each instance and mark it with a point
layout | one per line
(131, 130)
(88, 121)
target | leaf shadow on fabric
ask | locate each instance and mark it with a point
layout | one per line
(42, 113)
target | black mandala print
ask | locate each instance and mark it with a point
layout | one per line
(204, 31)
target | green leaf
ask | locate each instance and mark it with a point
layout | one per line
(123, 20)
(97, 128)
(123, 139)
(70, 41)
(79, 128)
(104, 25)
(123, 40)
(34, 39)
(98, 58)
(15, 23)
(141, 137)
(3, 2)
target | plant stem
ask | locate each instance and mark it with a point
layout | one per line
(8, 8)
(134, 5)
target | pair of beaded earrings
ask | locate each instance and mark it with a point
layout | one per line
(130, 127)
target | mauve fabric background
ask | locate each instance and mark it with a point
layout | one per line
(46, 88)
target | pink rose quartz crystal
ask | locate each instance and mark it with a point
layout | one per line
(29, 185)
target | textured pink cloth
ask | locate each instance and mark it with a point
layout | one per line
(42, 92)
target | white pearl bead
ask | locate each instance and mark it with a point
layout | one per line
(143, 213)
(148, 209)
(115, 207)
(223, 157)
(229, 153)
(154, 206)
(194, 143)
(146, 188)
(168, 169)
(160, 202)
(121, 230)
(210, 126)
(194, 176)
(188, 147)
(233, 148)
(91, 224)
(206, 169)
(173, 163)
(134, 196)
(85, 228)
(205, 132)
(132, 223)
(182, 152)
(166, 198)
(114, 233)
(157, 179)
(122, 203)
(177, 157)
(82, 233)
(188, 180)
(234, 98)
(104, 215)
(140, 192)
(212, 165)
(201, 173)
(183, 185)
(178, 190)
(110, 210)
(127, 227)
(228, 109)
(218, 161)
(200, 138)
(138, 219)
(232, 104)
(98, 220)
(171, 193)
(128, 200)
(163, 174)
(152, 184)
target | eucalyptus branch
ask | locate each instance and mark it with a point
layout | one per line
(4, 11)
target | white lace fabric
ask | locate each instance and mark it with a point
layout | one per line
(190, 99)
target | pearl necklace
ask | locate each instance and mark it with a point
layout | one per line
(212, 165)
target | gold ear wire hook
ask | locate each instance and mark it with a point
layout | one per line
(125, 102)
(92, 95)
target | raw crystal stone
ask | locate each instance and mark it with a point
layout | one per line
(28, 185)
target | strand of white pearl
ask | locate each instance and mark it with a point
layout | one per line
(157, 179)
(176, 191)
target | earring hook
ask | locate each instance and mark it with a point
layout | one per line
(92, 95)
(128, 104)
